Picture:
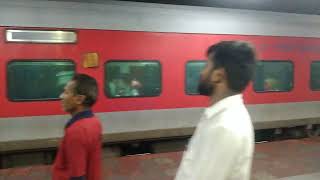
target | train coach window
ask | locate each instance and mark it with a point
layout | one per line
(37, 80)
(273, 76)
(193, 70)
(132, 78)
(315, 76)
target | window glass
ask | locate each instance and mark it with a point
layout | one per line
(133, 78)
(273, 76)
(193, 71)
(38, 80)
(315, 76)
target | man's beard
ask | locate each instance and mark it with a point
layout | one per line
(205, 88)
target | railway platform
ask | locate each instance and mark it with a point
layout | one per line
(283, 160)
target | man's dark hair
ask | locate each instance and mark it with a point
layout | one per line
(238, 60)
(87, 86)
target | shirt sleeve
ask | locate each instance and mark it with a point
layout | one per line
(213, 157)
(76, 155)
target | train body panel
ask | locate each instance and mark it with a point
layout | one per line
(172, 51)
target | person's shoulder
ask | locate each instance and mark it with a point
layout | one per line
(95, 120)
(223, 132)
(236, 120)
(74, 133)
(74, 128)
(92, 124)
(238, 112)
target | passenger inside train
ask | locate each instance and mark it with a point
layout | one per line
(120, 86)
(132, 79)
(270, 77)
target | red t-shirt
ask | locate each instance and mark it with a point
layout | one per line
(79, 154)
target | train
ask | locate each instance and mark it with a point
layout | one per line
(146, 59)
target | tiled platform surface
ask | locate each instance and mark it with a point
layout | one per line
(283, 160)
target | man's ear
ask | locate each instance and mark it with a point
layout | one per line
(218, 75)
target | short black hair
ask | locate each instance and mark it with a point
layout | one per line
(87, 86)
(238, 60)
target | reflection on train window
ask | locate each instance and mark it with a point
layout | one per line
(37, 80)
(193, 70)
(315, 76)
(133, 78)
(273, 76)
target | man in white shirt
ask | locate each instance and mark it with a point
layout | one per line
(223, 143)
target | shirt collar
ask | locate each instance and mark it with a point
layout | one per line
(223, 104)
(79, 116)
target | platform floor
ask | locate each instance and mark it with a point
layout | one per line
(283, 160)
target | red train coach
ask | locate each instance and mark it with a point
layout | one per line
(167, 64)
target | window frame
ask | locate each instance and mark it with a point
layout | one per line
(310, 76)
(186, 78)
(105, 89)
(34, 60)
(293, 77)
